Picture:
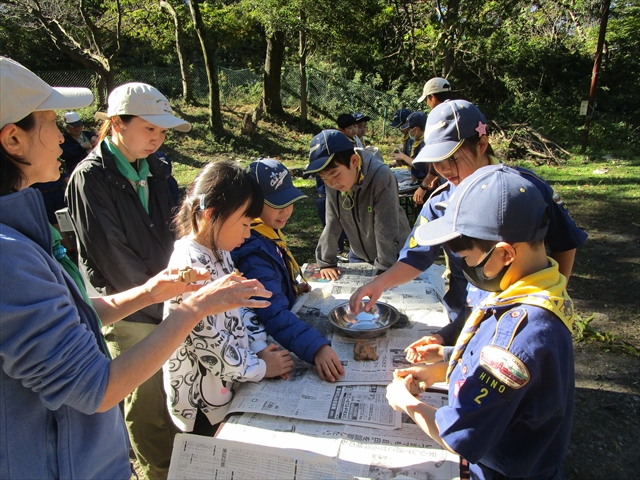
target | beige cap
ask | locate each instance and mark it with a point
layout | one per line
(24, 92)
(143, 101)
(435, 85)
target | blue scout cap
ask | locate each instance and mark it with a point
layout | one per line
(323, 147)
(416, 119)
(400, 117)
(494, 203)
(361, 117)
(275, 182)
(447, 126)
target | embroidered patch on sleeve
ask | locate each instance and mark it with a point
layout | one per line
(504, 366)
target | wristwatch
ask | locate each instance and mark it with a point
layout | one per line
(422, 187)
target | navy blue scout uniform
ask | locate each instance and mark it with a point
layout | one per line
(563, 234)
(511, 373)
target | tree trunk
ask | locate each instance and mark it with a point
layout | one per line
(303, 68)
(187, 90)
(215, 118)
(272, 73)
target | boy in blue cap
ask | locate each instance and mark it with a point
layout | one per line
(362, 199)
(456, 144)
(265, 257)
(511, 373)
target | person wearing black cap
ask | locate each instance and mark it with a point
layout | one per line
(266, 257)
(347, 125)
(511, 373)
(362, 199)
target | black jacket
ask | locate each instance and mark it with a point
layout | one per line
(120, 245)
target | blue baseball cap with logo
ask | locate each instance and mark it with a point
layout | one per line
(275, 181)
(323, 147)
(448, 125)
(494, 203)
(400, 117)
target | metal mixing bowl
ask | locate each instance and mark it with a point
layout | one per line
(371, 324)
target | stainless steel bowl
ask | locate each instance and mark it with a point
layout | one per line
(371, 324)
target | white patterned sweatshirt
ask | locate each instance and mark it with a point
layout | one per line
(219, 351)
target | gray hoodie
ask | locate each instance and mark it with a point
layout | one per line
(376, 226)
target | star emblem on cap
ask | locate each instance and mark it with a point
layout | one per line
(481, 128)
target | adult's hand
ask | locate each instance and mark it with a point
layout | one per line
(227, 293)
(167, 284)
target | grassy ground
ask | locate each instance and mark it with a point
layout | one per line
(603, 197)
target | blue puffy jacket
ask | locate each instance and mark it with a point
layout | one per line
(260, 258)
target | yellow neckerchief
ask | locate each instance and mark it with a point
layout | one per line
(348, 195)
(416, 142)
(545, 289)
(405, 139)
(277, 237)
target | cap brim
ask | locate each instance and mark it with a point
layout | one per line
(363, 119)
(436, 232)
(284, 198)
(167, 121)
(404, 125)
(437, 152)
(317, 165)
(66, 98)
(421, 99)
(74, 124)
(394, 124)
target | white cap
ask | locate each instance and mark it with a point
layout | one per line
(24, 92)
(72, 119)
(143, 101)
(435, 85)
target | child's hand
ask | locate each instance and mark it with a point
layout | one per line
(167, 284)
(399, 395)
(429, 374)
(279, 362)
(328, 364)
(303, 287)
(426, 354)
(330, 273)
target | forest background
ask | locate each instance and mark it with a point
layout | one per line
(527, 65)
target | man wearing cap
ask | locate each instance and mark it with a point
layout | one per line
(362, 199)
(436, 91)
(77, 143)
(456, 143)
(266, 257)
(511, 373)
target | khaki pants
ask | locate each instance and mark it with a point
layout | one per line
(145, 409)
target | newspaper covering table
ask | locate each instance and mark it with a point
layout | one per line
(331, 430)
(263, 446)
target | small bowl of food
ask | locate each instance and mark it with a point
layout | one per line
(371, 324)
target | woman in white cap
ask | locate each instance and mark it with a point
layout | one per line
(121, 205)
(59, 391)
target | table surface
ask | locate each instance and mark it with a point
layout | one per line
(351, 450)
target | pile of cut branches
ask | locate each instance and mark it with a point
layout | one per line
(524, 142)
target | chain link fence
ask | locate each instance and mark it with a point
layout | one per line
(328, 94)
